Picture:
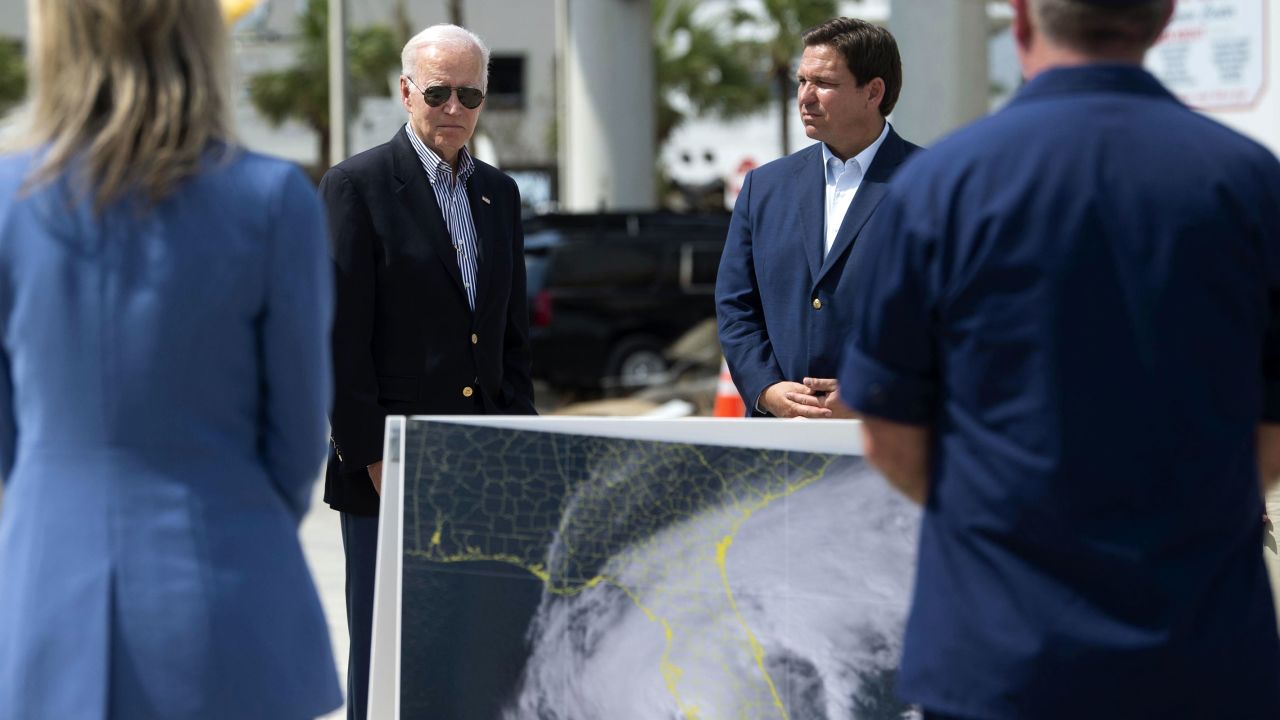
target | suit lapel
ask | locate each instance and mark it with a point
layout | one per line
(419, 200)
(811, 189)
(480, 197)
(870, 192)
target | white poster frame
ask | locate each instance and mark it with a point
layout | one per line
(836, 437)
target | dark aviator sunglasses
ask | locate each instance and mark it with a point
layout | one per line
(437, 95)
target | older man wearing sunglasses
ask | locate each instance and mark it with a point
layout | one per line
(431, 310)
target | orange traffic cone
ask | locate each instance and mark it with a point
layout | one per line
(728, 402)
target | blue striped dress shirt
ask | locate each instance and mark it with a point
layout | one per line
(451, 195)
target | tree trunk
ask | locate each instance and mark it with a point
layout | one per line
(783, 77)
(400, 22)
(455, 12)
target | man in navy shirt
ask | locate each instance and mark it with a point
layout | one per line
(1069, 352)
(783, 295)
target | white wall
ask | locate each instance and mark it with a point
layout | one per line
(13, 18)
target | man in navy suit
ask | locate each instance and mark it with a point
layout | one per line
(783, 298)
(432, 317)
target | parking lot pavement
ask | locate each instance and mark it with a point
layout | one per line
(322, 543)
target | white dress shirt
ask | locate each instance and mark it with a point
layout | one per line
(843, 180)
(451, 196)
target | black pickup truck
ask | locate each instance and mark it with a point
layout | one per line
(609, 292)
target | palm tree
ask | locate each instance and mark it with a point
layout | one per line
(696, 56)
(782, 23)
(13, 74)
(302, 91)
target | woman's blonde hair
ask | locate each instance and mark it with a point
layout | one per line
(125, 94)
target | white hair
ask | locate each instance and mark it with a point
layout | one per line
(446, 35)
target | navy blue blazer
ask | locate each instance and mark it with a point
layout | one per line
(783, 310)
(405, 341)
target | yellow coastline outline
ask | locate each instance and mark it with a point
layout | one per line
(671, 672)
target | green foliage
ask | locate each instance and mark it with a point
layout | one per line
(302, 92)
(372, 53)
(696, 57)
(733, 63)
(783, 22)
(13, 74)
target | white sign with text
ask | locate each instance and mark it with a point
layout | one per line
(1213, 55)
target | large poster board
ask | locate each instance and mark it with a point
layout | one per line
(575, 569)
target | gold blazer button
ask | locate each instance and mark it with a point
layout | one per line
(817, 304)
(468, 392)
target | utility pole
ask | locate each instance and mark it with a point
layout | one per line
(339, 134)
(606, 105)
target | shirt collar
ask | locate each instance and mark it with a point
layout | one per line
(1096, 78)
(863, 159)
(435, 166)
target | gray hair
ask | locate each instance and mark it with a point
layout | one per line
(446, 35)
(1093, 29)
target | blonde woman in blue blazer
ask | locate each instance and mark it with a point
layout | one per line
(165, 302)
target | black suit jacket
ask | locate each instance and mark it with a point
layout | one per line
(405, 341)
